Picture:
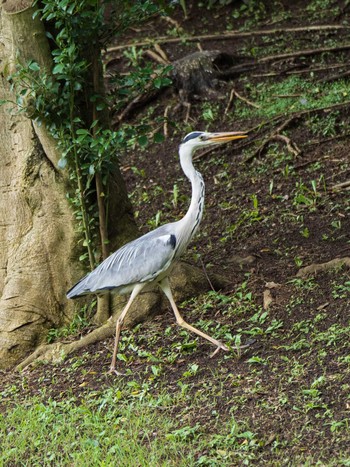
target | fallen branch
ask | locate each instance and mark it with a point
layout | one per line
(335, 77)
(341, 186)
(306, 163)
(291, 146)
(303, 53)
(327, 140)
(148, 94)
(227, 36)
(294, 116)
(156, 57)
(166, 122)
(314, 269)
(161, 52)
(329, 66)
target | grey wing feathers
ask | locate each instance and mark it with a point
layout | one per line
(138, 261)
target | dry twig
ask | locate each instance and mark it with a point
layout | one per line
(162, 53)
(291, 146)
(244, 99)
(293, 117)
(165, 126)
(341, 186)
(156, 57)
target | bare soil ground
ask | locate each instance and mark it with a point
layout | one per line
(274, 208)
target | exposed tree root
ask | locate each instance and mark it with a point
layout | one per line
(315, 268)
(57, 351)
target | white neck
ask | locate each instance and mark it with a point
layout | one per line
(194, 214)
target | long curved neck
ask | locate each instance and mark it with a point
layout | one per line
(195, 210)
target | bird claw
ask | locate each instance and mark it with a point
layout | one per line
(244, 346)
(221, 346)
(115, 372)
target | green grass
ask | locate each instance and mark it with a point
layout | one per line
(231, 414)
(111, 428)
(292, 94)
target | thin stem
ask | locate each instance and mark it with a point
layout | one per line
(84, 213)
(101, 197)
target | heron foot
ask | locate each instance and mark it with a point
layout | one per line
(113, 371)
(244, 346)
(220, 346)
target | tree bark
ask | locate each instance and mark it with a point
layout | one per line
(39, 259)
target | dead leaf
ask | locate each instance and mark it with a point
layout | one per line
(267, 299)
(272, 285)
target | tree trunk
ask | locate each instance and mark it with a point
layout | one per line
(38, 254)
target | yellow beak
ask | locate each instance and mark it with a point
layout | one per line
(228, 136)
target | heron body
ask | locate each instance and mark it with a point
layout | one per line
(148, 260)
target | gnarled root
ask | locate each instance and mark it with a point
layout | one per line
(58, 351)
(322, 267)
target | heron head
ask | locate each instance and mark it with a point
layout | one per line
(197, 139)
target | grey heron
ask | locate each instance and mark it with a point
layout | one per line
(148, 260)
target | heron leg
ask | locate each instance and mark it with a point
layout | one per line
(136, 290)
(165, 286)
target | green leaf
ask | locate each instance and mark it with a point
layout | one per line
(158, 137)
(143, 140)
(34, 66)
(82, 131)
(58, 69)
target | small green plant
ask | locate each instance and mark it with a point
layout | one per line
(257, 360)
(314, 7)
(341, 291)
(192, 370)
(134, 56)
(79, 322)
(246, 219)
(298, 261)
(209, 112)
(304, 197)
(325, 126)
(252, 10)
(302, 283)
(155, 222)
(305, 232)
